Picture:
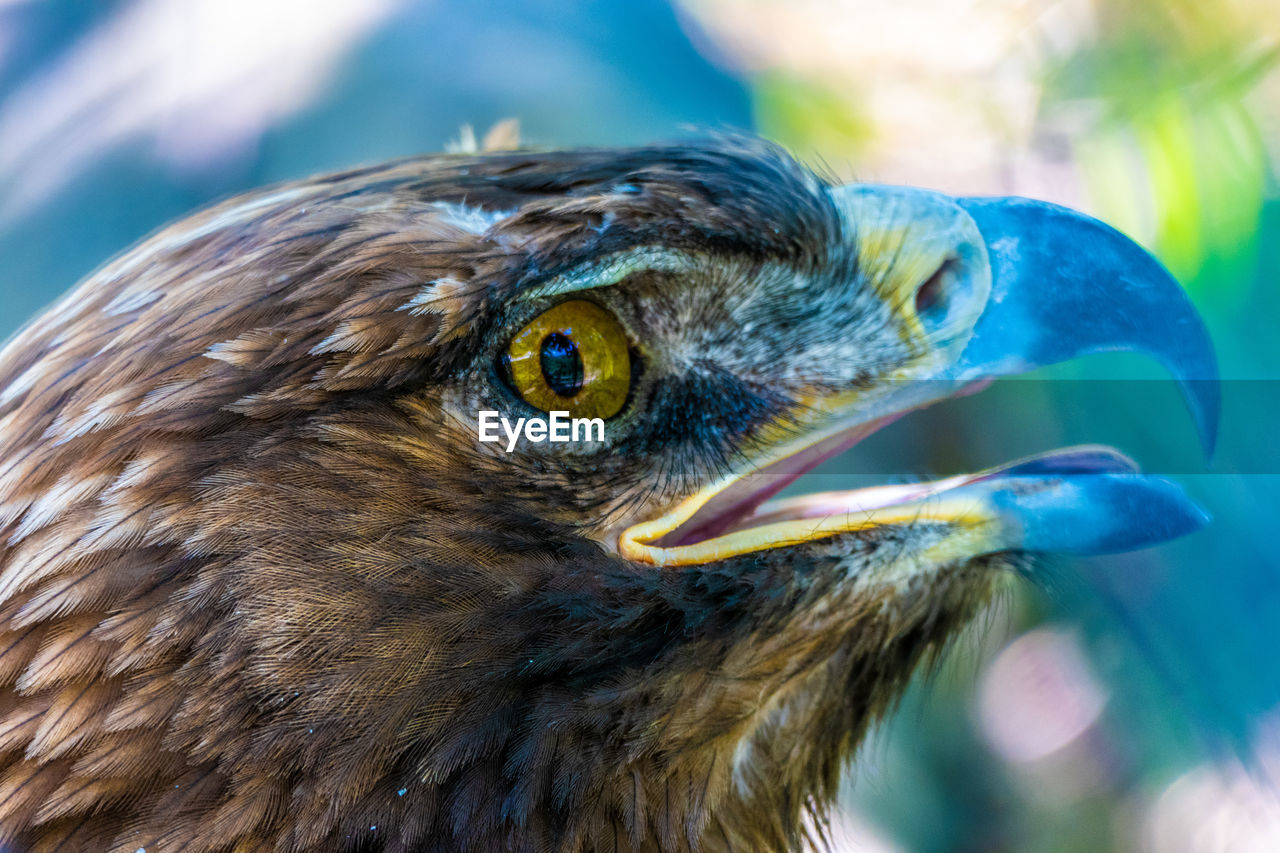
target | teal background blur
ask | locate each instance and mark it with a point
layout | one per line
(1132, 702)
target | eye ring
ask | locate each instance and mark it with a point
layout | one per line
(572, 357)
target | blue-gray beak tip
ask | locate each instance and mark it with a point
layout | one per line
(1065, 285)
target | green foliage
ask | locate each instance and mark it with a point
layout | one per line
(807, 117)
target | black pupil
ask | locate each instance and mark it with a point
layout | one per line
(561, 364)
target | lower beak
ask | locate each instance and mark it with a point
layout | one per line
(1030, 284)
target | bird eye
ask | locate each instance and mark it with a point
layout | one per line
(572, 357)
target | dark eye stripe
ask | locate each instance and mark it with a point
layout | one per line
(561, 364)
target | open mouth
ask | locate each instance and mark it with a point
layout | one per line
(739, 514)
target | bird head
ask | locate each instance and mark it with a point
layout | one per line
(263, 582)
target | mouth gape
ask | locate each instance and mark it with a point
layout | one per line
(735, 515)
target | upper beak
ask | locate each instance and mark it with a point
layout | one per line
(1064, 285)
(1033, 284)
(999, 286)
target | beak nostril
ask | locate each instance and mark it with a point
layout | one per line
(932, 296)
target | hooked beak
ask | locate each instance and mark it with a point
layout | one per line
(998, 286)
(1066, 285)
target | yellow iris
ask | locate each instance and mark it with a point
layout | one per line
(572, 357)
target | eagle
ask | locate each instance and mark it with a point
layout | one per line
(264, 587)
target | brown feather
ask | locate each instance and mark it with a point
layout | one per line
(261, 588)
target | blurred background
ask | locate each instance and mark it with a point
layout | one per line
(1128, 702)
